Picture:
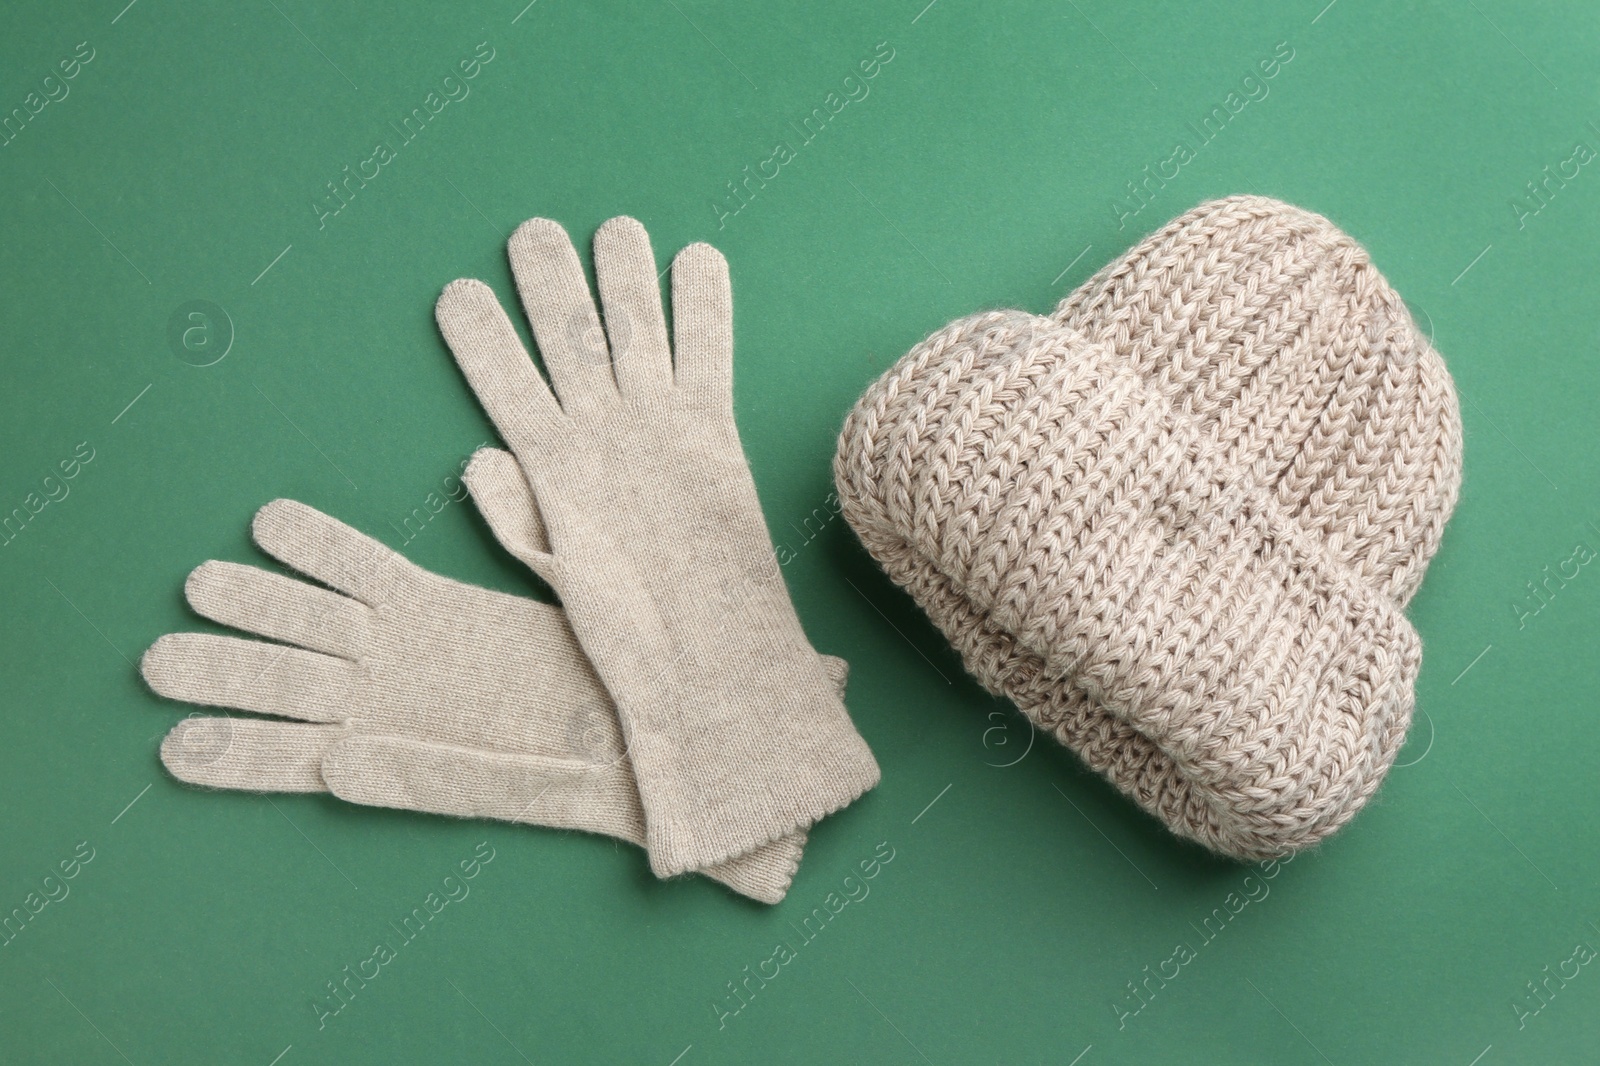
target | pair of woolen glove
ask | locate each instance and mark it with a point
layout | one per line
(672, 700)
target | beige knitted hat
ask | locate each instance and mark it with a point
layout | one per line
(1298, 368)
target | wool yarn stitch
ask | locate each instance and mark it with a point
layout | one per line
(1271, 326)
(1301, 369)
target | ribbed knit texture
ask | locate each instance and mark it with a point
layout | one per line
(1272, 329)
(1299, 370)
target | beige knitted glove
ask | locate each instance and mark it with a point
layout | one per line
(1095, 526)
(406, 689)
(658, 548)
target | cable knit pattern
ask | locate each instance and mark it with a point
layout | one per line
(1297, 379)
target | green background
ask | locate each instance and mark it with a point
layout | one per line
(980, 171)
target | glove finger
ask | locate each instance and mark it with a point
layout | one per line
(248, 755)
(505, 500)
(566, 327)
(279, 608)
(249, 675)
(326, 550)
(702, 321)
(497, 366)
(415, 775)
(630, 294)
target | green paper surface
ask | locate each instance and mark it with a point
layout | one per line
(195, 323)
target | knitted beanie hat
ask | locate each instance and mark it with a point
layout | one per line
(1324, 396)
(1077, 511)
